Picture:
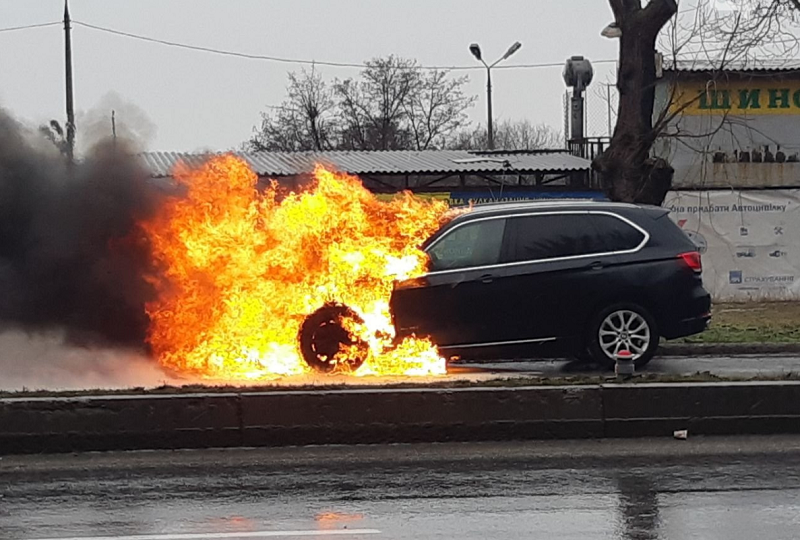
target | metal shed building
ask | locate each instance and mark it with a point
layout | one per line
(455, 174)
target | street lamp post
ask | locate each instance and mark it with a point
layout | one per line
(476, 52)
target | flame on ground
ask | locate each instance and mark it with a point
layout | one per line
(241, 267)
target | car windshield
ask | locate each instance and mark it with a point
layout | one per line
(468, 245)
(447, 218)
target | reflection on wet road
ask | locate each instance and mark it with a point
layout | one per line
(703, 488)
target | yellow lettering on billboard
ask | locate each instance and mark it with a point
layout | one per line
(443, 196)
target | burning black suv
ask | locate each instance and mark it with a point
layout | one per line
(585, 279)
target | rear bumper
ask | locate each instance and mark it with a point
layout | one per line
(690, 327)
(695, 319)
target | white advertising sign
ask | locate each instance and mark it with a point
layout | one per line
(749, 240)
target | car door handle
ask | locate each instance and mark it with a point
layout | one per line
(487, 278)
(596, 265)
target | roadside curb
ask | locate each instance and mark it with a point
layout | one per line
(727, 349)
(366, 416)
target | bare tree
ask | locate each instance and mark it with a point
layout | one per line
(711, 49)
(437, 109)
(627, 171)
(715, 42)
(306, 120)
(707, 39)
(393, 105)
(373, 110)
(510, 135)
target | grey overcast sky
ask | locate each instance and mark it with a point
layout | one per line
(201, 101)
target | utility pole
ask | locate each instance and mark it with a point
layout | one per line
(114, 127)
(68, 64)
(489, 120)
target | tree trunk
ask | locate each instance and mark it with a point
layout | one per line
(627, 171)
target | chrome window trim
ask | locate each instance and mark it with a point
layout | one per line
(493, 343)
(552, 259)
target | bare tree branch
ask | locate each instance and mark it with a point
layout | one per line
(510, 135)
(391, 106)
(304, 121)
(710, 40)
(656, 14)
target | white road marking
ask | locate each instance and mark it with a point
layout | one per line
(217, 536)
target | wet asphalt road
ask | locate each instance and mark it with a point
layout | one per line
(703, 488)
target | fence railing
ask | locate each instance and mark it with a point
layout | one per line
(588, 147)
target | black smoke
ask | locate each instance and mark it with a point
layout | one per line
(70, 254)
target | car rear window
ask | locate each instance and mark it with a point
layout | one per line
(552, 236)
(616, 234)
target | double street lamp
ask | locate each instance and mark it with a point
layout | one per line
(476, 52)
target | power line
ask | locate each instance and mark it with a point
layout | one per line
(214, 51)
(551, 64)
(250, 56)
(27, 26)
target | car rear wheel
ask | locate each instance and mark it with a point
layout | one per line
(620, 328)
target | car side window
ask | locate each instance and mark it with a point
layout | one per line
(616, 234)
(530, 238)
(473, 244)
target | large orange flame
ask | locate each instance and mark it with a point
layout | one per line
(242, 267)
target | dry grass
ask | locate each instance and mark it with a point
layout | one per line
(773, 322)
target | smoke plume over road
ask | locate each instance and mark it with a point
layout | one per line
(70, 258)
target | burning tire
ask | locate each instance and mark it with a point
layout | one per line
(326, 344)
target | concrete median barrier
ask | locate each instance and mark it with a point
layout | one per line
(119, 422)
(702, 408)
(279, 418)
(412, 415)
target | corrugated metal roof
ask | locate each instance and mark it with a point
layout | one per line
(271, 164)
(747, 65)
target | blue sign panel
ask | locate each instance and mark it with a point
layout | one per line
(478, 197)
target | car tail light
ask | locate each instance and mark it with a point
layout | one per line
(692, 259)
